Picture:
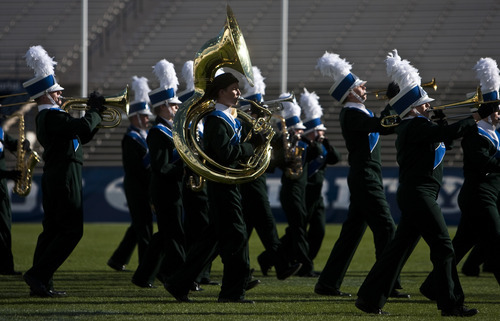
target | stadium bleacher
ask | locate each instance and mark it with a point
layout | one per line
(443, 39)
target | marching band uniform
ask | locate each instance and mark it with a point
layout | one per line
(62, 137)
(165, 252)
(321, 154)
(222, 143)
(480, 193)
(419, 154)
(6, 257)
(137, 175)
(368, 205)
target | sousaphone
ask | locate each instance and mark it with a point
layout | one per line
(228, 49)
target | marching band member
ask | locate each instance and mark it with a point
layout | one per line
(255, 201)
(222, 142)
(420, 152)
(61, 136)
(320, 154)
(293, 192)
(137, 175)
(480, 193)
(165, 252)
(368, 205)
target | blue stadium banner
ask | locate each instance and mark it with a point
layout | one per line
(104, 199)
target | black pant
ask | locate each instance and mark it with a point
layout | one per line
(420, 217)
(62, 222)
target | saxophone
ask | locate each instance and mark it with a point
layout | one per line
(25, 163)
(293, 152)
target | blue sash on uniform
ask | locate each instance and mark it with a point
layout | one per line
(234, 124)
(76, 144)
(2, 137)
(439, 154)
(318, 162)
(493, 139)
(373, 137)
(164, 129)
(146, 159)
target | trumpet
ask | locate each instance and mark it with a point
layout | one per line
(380, 94)
(115, 105)
(112, 115)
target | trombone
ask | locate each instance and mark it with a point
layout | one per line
(111, 117)
(380, 94)
(474, 102)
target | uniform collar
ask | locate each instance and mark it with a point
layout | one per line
(47, 106)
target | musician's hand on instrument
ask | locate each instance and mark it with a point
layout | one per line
(96, 101)
(439, 117)
(487, 109)
(257, 138)
(26, 145)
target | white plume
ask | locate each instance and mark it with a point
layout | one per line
(309, 102)
(259, 86)
(488, 74)
(165, 72)
(290, 108)
(331, 65)
(401, 71)
(187, 75)
(38, 59)
(141, 89)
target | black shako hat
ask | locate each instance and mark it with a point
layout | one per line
(220, 82)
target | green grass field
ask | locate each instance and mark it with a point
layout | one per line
(95, 292)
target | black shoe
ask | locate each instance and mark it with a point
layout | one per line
(470, 270)
(143, 284)
(178, 295)
(10, 272)
(264, 267)
(37, 287)
(311, 274)
(226, 300)
(461, 311)
(488, 268)
(53, 293)
(322, 290)
(196, 287)
(360, 304)
(207, 281)
(116, 266)
(291, 271)
(400, 295)
(252, 284)
(428, 293)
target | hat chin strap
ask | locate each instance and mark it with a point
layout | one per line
(417, 112)
(51, 99)
(358, 97)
